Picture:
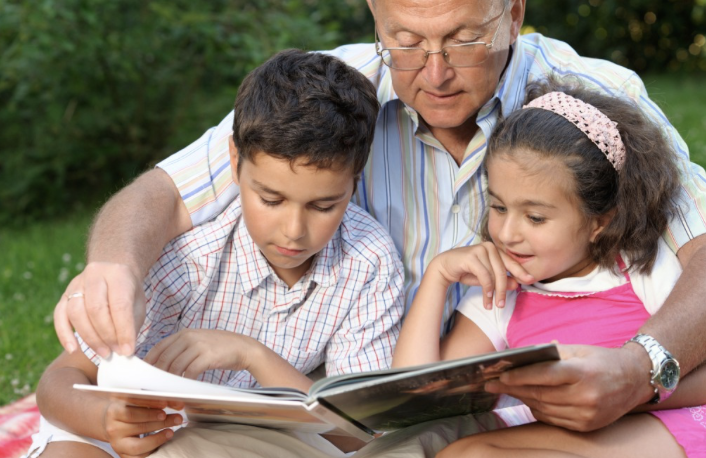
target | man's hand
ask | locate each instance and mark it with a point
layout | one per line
(125, 423)
(589, 388)
(107, 311)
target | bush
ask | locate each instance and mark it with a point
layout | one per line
(644, 35)
(94, 91)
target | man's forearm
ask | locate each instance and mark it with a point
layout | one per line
(679, 324)
(135, 224)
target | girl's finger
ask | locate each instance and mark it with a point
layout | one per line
(501, 278)
(516, 270)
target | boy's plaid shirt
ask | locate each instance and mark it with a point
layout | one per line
(345, 312)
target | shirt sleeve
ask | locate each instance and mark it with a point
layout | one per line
(367, 337)
(654, 288)
(492, 322)
(202, 173)
(690, 221)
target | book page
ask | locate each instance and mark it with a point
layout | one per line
(130, 372)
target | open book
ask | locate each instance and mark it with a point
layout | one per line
(357, 405)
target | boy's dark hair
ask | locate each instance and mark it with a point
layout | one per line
(643, 194)
(311, 106)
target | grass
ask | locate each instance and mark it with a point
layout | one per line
(683, 100)
(39, 260)
(37, 264)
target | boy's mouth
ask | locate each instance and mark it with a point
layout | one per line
(288, 251)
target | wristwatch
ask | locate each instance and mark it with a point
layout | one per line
(665, 369)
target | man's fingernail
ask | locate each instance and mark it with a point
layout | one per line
(70, 347)
(104, 352)
(125, 350)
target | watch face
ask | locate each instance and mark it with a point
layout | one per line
(669, 375)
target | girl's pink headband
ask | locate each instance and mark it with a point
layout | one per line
(598, 127)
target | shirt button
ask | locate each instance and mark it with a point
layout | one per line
(455, 209)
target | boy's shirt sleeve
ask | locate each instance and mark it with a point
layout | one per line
(202, 173)
(367, 336)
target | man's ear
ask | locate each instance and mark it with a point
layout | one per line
(233, 151)
(600, 223)
(517, 14)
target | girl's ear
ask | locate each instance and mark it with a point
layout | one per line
(233, 159)
(599, 223)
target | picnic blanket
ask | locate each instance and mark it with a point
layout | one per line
(18, 421)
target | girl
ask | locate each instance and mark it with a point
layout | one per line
(581, 188)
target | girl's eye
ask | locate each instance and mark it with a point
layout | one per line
(499, 208)
(536, 219)
(270, 203)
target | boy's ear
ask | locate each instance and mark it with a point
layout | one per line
(600, 223)
(233, 159)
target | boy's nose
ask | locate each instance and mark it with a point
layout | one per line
(295, 226)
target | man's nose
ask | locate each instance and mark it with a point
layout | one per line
(437, 70)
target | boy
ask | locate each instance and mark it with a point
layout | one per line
(289, 276)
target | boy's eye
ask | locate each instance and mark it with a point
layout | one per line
(323, 209)
(270, 203)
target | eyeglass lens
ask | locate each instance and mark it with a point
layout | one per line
(456, 56)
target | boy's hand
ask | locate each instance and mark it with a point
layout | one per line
(125, 423)
(485, 266)
(190, 352)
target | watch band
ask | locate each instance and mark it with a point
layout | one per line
(664, 367)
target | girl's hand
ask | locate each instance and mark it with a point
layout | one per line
(125, 423)
(190, 352)
(482, 265)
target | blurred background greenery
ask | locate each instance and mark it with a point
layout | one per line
(93, 92)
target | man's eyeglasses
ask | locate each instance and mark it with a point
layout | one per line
(463, 55)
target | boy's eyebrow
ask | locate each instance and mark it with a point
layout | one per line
(526, 202)
(265, 188)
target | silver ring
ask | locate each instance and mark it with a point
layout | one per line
(72, 295)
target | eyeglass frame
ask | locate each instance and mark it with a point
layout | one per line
(379, 49)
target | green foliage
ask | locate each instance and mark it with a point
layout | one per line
(94, 91)
(644, 35)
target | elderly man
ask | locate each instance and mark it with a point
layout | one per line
(445, 73)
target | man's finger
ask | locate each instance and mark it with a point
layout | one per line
(63, 328)
(121, 299)
(552, 373)
(97, 307)
(77, 315)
